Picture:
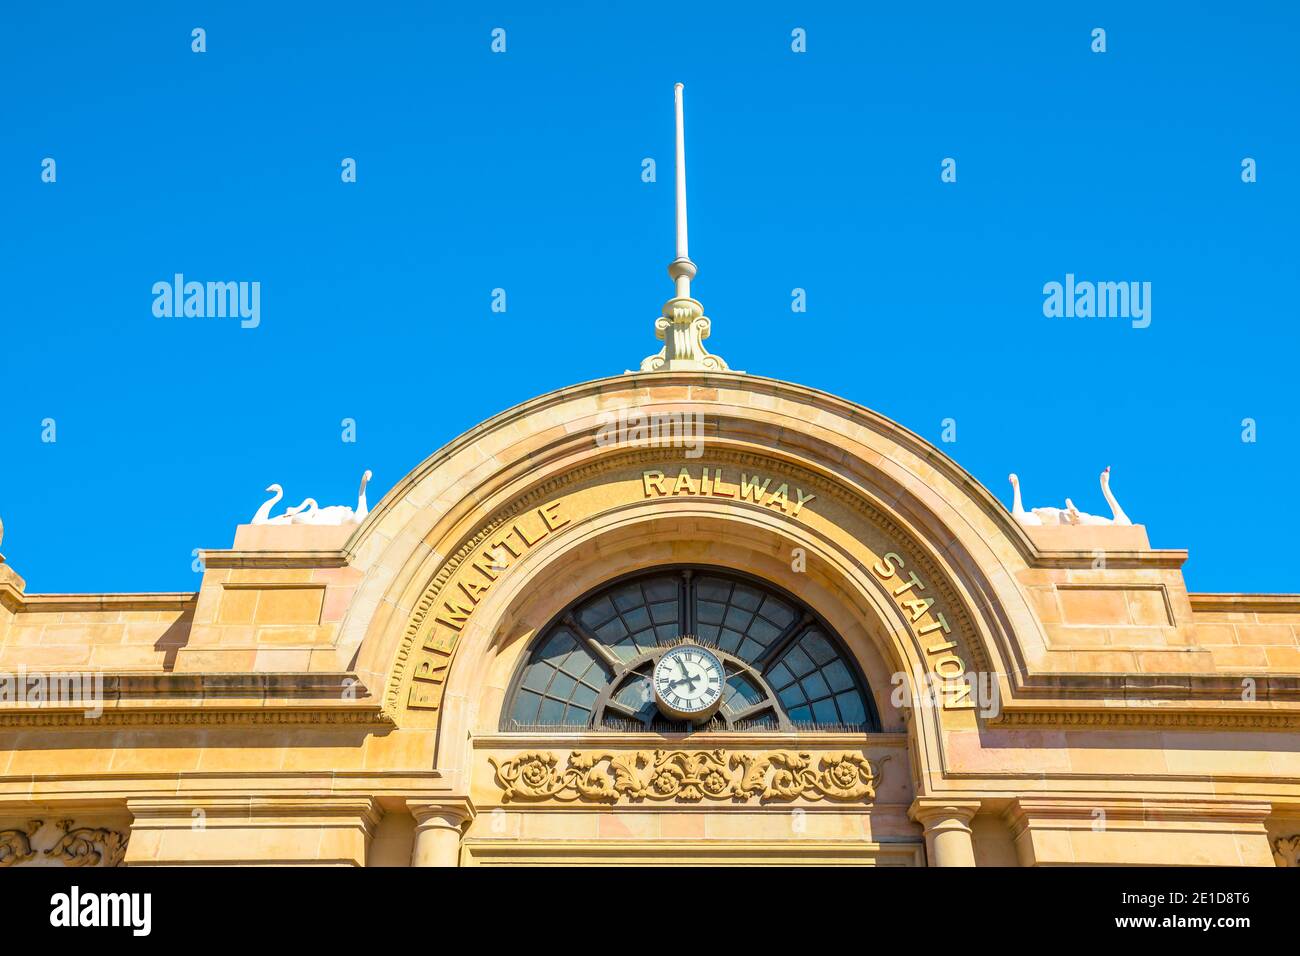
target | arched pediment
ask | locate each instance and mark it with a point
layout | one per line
(916, 560)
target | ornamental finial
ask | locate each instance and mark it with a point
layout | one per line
(682, 326)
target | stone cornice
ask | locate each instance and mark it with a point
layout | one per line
(1138, 717)
(1163, 558)
(703, 740)
(275, 559)
(1022, 810)
(143, 601)
(367, 716)
(170, 700)
(102, 789)
(1247, 603)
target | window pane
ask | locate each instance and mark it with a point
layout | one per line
(746, 597)
(706, 612)
(777, 611)
(798, 661)
(664, 612)
(596, 613)
(538, 676)
(824, 712)
(659, 589)
(525, 709)
(851, 709)
(712, 589)
(815, 687)
(552, 712)
(628, 596)
(817, 647)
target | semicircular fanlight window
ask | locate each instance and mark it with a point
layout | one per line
(786, 670)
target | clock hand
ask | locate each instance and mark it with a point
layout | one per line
(687, 677)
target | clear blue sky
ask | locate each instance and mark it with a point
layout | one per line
(522, 171)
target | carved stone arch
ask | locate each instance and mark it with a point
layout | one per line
(870, 477)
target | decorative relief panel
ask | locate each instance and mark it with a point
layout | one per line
(687, 776)
(77, 846)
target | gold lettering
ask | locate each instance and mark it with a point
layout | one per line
(552, 521)
(913, 581)
(949, 659)
(424, 696)
(655, 480)
(432, 669)
(780, 497)
(958, 696)
(684, 480)
(439, 644)
(717, 485)
(934, 627)
(455, 616)
(886, 566)
(472, 590)
(919, 607)
(751, 490)
(802, 501)
(524, 538)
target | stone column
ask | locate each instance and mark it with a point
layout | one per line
(437, 832)
(947, 829)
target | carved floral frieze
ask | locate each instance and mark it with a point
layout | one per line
(78, 846)
(687, 776)
(16, 844)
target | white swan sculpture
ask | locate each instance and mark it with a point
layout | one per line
(308, 512)
(1035, 516)
(1069, 515)
(1017, 509)
(263, 515)
(1118, 517)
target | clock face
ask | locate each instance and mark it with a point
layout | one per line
(688, 683)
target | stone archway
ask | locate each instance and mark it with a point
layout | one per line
(529, 526)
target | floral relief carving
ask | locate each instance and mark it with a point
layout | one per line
(83, 846)
(1287, 850)
(687, 776)
(16, 845)
(78, 846)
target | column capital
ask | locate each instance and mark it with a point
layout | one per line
(948, 837)
(445, 812)
(937, 812)
(438, 823)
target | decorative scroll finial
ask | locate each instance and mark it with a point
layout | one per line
(683, 326)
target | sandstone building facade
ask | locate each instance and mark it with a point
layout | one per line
(912, 677)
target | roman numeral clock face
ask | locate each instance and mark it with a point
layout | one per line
(688, 683)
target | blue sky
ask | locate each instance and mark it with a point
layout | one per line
(522, 171)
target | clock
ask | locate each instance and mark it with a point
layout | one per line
(688, 683)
